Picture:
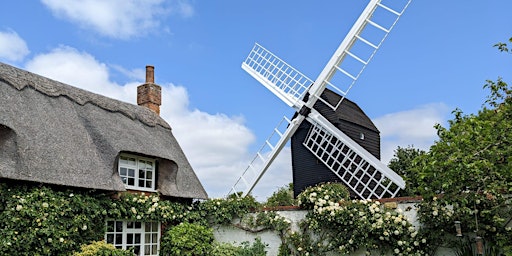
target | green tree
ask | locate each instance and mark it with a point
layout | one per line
(469, 167)
(282, 197)
(402, 163)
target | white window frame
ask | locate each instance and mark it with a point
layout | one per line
(137, 166)
(123, 235)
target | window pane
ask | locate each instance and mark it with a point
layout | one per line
(141, 183)
(110, 226)
(129, 224)
(119, 226)
(154, 249)
(147, 227)
(142, 174)
(119, 239)
(131, 172)
(127, 160)
(122, 171)
(123, 159)
(137, 238)
(147, 250)
(129, 239)
(154, 238)
(149, 175)
(110, 238)
(131, 181)
(155, 226)
(138, 224)
(149, 184)
(147, 239)
(136, 250)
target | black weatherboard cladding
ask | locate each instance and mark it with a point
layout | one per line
(351, 120)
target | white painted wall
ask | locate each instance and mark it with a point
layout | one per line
(234, 235)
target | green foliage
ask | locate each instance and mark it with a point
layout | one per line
(245, 249)
(187, 239)
(282, 197)
(272, 220)
(255, 249)
(326, 192)
(43, 221)
(101, 248)
(470, 167)
(148, 208)
(344, 226)
(225, 249)
(223, 211)
(401, 163)
(502, 47)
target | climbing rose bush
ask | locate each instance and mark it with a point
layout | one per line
(344, 226)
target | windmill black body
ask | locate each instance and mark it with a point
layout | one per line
(340, 136)
(307, 169)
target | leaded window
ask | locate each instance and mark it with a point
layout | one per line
(143, 237)
(137, 172)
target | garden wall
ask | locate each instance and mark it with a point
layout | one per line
(237, 233)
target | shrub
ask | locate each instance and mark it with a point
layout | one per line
(245, 249)
(282, 197)
(256, 249)
(187, 239)
(101, 248)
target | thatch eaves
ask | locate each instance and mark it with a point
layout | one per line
(54, 133)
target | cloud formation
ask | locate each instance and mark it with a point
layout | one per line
(413, 127)
(121, 19)
(12, 46)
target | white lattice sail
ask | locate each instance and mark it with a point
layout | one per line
(366, 175)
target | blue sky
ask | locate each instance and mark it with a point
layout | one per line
(436, 59)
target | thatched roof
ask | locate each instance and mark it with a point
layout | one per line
(54, 133)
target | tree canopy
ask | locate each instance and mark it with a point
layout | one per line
(470, 166)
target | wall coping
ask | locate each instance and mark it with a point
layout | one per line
(405, 199)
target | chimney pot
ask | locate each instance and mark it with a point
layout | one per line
(150, 74)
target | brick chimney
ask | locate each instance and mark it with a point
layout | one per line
(149, 94)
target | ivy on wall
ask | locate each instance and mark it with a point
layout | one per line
(42, 220)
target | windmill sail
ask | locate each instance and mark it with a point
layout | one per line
(340, 74)
(283, 80)
(362, 172)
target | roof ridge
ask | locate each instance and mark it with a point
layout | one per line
(21, 79)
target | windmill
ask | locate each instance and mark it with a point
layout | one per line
(360, 171)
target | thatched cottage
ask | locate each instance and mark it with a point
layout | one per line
(56, 134)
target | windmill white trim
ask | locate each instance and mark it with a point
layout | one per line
(357, 168)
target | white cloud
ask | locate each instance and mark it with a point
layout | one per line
(413, 127)
(79, 69)
(12, 46)
(118, 18)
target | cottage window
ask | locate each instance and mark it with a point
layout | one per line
(137, 172)
(143, 237)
